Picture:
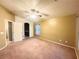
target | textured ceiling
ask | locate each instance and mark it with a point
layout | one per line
(51, 7)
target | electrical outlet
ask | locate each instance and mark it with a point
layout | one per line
(66, 41)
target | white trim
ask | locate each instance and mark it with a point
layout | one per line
(30, 28)
(77, 33)
(7, 29)
(10, 21)
(58, 43)
(6, 42)
(76, 51)
(4, 47)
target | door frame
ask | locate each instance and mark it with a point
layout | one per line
(7, 30)
(77, 33)
(31, 28)
(28, 28)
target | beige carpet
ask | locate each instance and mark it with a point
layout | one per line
(36, 49)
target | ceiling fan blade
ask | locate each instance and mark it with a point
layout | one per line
(45, 14)
(33, 10)
(21, 11)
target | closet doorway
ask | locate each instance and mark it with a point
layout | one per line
(26, 29)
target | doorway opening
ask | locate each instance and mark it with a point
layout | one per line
(26, 29)
(10, 31)
(37, 29)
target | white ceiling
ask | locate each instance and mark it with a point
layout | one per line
(51, 7)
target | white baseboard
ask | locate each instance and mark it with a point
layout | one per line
(76, 51)
(58, 43)
(4, 47)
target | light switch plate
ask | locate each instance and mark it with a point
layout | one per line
(1, 33)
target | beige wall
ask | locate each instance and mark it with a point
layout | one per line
(60, 29)
(4, 14)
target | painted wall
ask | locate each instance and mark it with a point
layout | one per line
(60, 29)
(4, 15)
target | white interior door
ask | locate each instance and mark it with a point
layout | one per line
(17, 31)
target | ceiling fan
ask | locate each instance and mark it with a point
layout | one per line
(33, 11)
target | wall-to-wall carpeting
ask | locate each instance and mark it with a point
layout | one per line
(36, 49)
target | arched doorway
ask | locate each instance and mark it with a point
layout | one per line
(26, 29)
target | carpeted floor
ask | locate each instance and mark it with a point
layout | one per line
(36, 49)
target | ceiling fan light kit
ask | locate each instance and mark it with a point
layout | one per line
(34, 15)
